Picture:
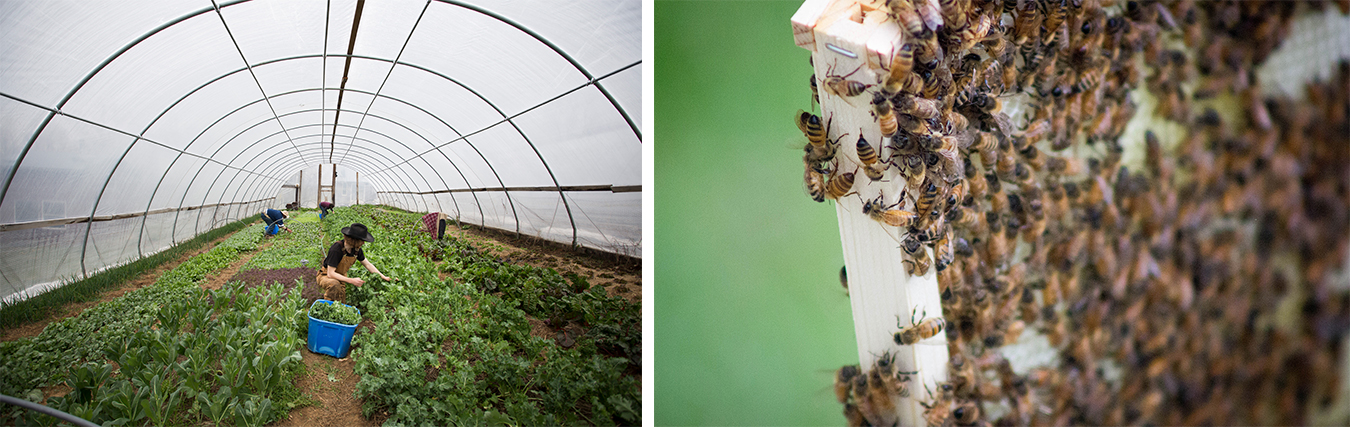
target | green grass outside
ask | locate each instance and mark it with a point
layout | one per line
(750, 319)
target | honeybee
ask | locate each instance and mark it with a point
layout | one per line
(881, 107)
(868, 157)
(902, 63)
(843, 382)
(1025, 23)
(1036, 130)
(943, 251)
(965, 75)
(986, 145)
(877, 405)
(1005, 165)
(944, 160)
(884, 373)
(916, 106)
(961, 374)
(966, 413)
(1053, 17)
(912, 125)
(843, 278)
(987, 103)
(908, 17)
(815, 184)
(1064, 166)
(917, 262)
(938, 412)
(940, 85)
(928, 54)
(839, 186)
(841, 86)
(956, 194)
(853, 416)
(954, 13)
(820, 149)
(921, 328)
(928, 194)
(914, 169)
(889, 215)
(931, 13)
(996, 244)
(977, 187)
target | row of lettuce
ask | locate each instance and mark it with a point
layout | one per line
(440, 352)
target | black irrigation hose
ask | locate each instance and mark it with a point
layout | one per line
(46, 410)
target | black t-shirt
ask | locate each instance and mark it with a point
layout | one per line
(336, 252)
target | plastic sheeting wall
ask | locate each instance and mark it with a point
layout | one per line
(126, 127)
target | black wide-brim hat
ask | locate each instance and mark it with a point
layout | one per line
(358, 231)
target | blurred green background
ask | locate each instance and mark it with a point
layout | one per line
(750, 319)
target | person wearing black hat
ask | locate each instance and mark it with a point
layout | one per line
(341, 255)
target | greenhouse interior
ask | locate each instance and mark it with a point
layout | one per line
(178, 176)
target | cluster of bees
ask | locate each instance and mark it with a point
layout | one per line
(1204, 274)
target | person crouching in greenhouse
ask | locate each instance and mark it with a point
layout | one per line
(324, 208)
(341, 255)
(275, 221)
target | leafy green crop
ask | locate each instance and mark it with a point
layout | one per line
(341, 314)
(201, 356)
(303, 246)
(246, 239)
(34, 362)
(446, 353)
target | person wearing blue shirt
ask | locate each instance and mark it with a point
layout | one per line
(275, 221)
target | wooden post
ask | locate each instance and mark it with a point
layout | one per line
(849, 36)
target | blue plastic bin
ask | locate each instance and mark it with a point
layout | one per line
(333, 339)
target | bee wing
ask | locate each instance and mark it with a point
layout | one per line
(801, 122)
(964, 138)
(1002, 125)
(951, 167)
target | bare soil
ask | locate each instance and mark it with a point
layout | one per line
(145, 279)
(216, 281)
(332, 382)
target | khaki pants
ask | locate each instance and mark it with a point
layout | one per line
(333, 290)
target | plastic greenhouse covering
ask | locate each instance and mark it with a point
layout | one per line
(128, 126)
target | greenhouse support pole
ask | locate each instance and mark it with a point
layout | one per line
(844, 36)
(38, 407)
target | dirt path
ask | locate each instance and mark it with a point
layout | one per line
(332, 382)
(217, 280)
(146, 278)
